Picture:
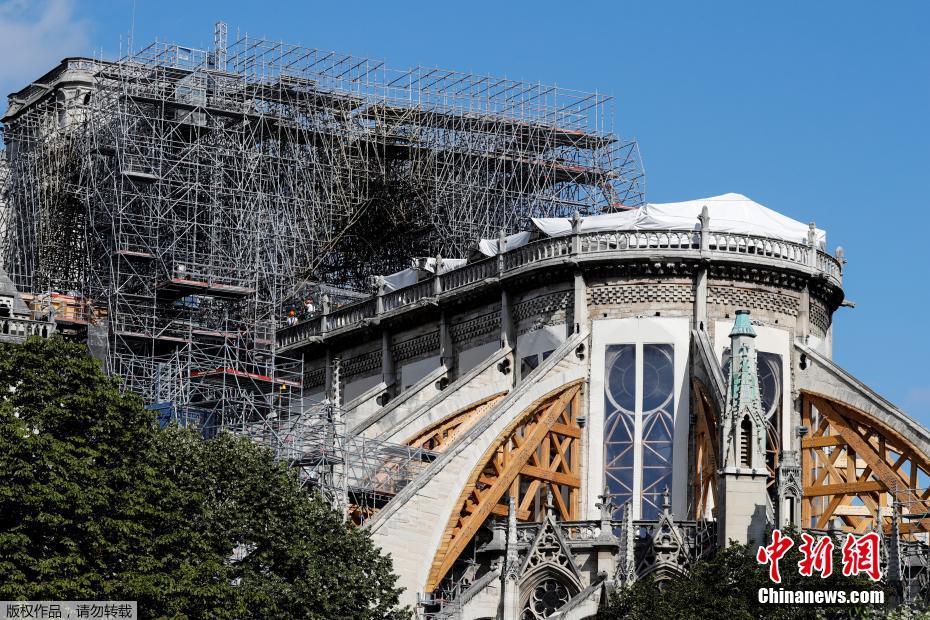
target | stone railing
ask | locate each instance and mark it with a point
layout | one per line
(581, 247)
(469, 274)
(346, 315)
(698, 536)
(407, 295)
(15, 329)
(638, 240)
(544, 249)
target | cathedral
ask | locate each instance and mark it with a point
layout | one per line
(605, 398)
(604, 391)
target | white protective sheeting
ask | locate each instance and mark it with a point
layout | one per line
(411, 275)
(558, 226)
(728, 213)
(407, 277)
(448, 264)
(488, 247)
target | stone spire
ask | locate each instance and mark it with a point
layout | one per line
(743, 421)
(741, 484)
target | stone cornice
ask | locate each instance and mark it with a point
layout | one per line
(653, 254)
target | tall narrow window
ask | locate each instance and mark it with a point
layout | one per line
(658, 425)
(639, 424)
(745, 444)
(620, 421)
(770, 389)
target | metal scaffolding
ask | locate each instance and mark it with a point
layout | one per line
(357, 475)
(176, 201)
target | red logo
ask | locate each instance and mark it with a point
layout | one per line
(773, 553)
(860, 555)
(818, 556)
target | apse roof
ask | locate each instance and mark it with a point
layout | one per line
(731, 212)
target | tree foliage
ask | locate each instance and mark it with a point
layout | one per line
(726, 586)
(97, 502)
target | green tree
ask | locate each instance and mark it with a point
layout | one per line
(97, 502)
(726, 586)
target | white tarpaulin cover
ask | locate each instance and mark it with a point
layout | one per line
(410, 276)
(488, 247)
(728, 213)
(558, 226)
(407, 277)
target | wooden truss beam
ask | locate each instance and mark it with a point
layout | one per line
(538, 452)
(704, 482)
(853, 457)
(440, 435)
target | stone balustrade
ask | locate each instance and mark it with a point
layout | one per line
(697, 535)
(579, 248)
(16, 329)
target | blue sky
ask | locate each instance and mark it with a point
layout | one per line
(816, 109)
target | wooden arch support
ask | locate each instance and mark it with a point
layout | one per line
(854, 467)
(437, 437)
(540, 449)
(704, 482)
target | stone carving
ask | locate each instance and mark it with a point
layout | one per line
(545, 310)
(789, 485)
(416, 346)
(749, 298)
(549, 575)
(315, 377)
(364, 363)
(475, 327)
(549, 549)
(646, 292)
(546, 598)
(820, 317)
(626, 562)
(667, 557)
(757, 274)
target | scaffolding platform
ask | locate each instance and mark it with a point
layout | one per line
(222, 376)
(182, 287)
(134, 254)
(133, 335)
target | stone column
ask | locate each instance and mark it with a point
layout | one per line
(803, 323)
(576, 230)
(812, 243)
(580, 304)
(507, 335)
(607, 544)
(437, 283)
(507, 327)
(580, 298)
(700, 276)
(324, 310)
(510, 592)
(446, 350)
(379, 294)
(388, 374)
(330, 375)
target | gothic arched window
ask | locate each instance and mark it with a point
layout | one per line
(745, 444)
(658, 425)
(549, 596)
(620, 421)
(639, 424)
